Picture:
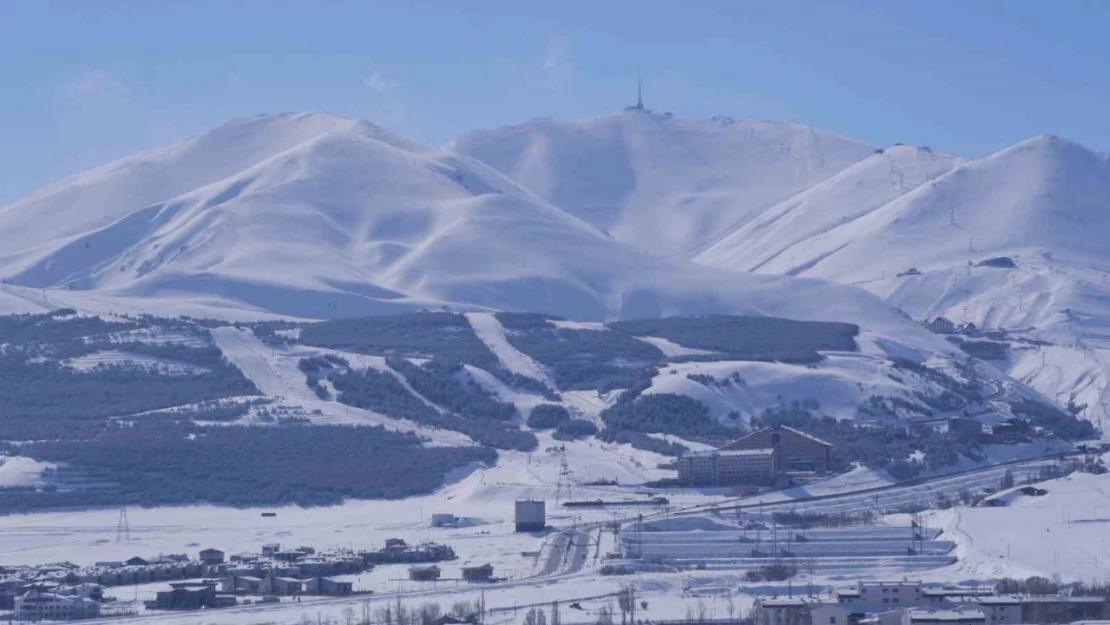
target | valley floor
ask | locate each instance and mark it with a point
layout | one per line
(1062, 532)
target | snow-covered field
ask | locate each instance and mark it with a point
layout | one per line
(989, 542)
(1063, 532)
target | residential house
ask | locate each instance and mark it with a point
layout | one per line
(286, 586)
(942, 325)
(1000, 610)
(783, 611)
(958, 616)
(212, 557)
(42, 606)
(1060, 609)
(329, 586)
(187, 596)
(483, 573)
(424, 572)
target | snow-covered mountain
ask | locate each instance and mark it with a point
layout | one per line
(631, 214)
(907, 223)
(666, 184)
(1044, 195)
(915, 228)
(317, 216)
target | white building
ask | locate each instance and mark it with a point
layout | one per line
(1001, 610)
(444, 520)
(726, 467)
(958, 616)
(784, 611)
(531, 515)
(42, 606)
(895, 594)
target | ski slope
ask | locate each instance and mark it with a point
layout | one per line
(490, 332)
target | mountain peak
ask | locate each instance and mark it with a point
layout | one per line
(606, 170)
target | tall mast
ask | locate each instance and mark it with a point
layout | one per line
(639, 90)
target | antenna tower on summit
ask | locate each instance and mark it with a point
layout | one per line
(639, 91)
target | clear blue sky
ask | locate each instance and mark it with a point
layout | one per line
(88, 81)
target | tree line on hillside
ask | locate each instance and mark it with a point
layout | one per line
(42, 398)
(748, 338)
(445, 383)
(382, 392)
(580, 358)
(432, 335)
(159, 463)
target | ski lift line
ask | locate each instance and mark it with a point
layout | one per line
(693, 153)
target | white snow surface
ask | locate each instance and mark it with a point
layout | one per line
(317, 216)
(1063, 532)
(1040, 203)
(666, 184)
(490, 331)
(21, 471)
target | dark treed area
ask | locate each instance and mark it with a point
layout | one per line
(42, 398)
(446, 384)
(383, 393)
(666, 413)
(442, 335)
(411, 335)
(749, 338)
(580, 359)
(547, 416)
(180, 462)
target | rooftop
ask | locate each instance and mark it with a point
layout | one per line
(783, 602)
(946, 615)
(767, 451)
(1003, 600)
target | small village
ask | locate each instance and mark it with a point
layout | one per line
(213, 579)
(914, 603)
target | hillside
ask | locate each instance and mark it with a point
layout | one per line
(472, 385)
(313, 216)
(630, 215)
(662, 183)
(926, 244)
